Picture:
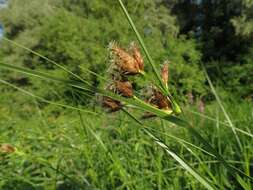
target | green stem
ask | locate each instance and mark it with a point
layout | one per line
(161, 85)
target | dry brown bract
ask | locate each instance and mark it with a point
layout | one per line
(157, 98)
(111, 104)
(165, 73)
(137, 55)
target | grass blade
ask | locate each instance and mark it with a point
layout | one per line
(222, 108)
(44, 100)
(158, 81)
(208, 147)
(142, 44)
(186, 166)
(220, 122)
(43, 57)
(46, 76)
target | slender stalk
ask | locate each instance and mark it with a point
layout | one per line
(43, 57)
(186, 166)
(223, 109)
(44, 100)
(160, 84)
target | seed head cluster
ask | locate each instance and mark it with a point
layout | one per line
(128, 62)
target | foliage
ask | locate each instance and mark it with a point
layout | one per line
(76, 35)
(224, 31)
(244, 23)
(56, 152)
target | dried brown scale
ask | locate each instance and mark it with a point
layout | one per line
(137, 56)
(157, 98)
(111, 104)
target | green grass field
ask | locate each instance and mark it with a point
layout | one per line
(63, 149)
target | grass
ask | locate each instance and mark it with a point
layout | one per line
(73, 148)
(111, 152)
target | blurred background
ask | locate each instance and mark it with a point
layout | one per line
(217, 34)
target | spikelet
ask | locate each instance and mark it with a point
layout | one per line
(165, 72)
(126, 62)
(111, 104)
(124, 88)
(137, 55)
(160, 101)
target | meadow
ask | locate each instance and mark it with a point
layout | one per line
(62, 149)
(75, 114)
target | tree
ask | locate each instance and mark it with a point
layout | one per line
(76, 35)
(224, 32)
(244, 23)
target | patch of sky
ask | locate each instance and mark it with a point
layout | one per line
(3, 3)
(1, 31)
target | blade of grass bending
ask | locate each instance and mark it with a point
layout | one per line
(44, 100)
(132, 101)
(179, 167)
(222, 107)
(203, 165)
(45, 76)
(208, 147)
(93, 73)
(142, 44)
(43, 57)
(182, 141)
(161, 84)
(186, 166)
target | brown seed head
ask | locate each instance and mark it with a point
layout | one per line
(124, 88)
(125, 61)
(111, 104)
(7, 148)
(160, 101)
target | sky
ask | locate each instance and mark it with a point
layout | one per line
(3, 3)
(1, 31)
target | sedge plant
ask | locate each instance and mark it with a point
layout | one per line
(119, 95)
